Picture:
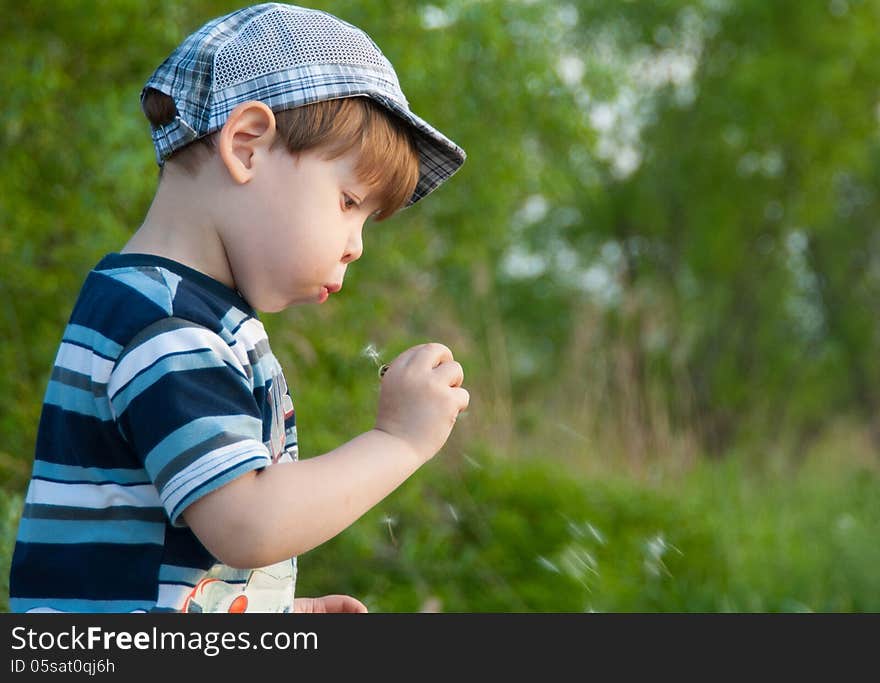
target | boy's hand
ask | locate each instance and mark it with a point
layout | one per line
(421, 397)
(328, 604)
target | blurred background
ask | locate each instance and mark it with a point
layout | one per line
(660, 268)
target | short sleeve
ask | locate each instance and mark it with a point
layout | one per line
(184, 403)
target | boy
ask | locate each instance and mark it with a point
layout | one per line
(166, 475)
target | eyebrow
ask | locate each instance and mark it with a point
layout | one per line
(371, 194)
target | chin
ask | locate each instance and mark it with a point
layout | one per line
(274, 307)
(267, 305)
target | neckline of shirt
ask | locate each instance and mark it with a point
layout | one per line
(233, 296)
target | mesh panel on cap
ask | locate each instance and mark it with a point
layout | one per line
(280, 40)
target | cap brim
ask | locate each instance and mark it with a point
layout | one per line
(439, 157)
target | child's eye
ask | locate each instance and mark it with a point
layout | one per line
(348, 202)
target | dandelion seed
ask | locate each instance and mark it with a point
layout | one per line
(470, 461)
(655, 548)
(372, 353)
(846, 523)
(577, 562)
(547, 564)
(452, 511)
(561, 426)
(653, 567)
(585, 529)
(389, 522)
(590, 564)
(792, 605)
(595, 533)
(658, 546)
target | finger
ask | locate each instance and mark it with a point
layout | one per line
(404, 357)
(463, 397)
(451, 373)
(424, 356)
(304, 605)
(431, 355)
(342, 603)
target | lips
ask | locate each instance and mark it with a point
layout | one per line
(326, 291)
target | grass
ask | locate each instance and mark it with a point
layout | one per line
(492, 535)
(10, 510)
(483, 534)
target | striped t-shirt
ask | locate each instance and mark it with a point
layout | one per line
(163, 390)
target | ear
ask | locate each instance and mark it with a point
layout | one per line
(249, 128)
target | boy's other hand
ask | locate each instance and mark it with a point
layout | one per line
(329, 604)
(421, 397)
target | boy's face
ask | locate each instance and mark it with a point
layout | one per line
(295, 227)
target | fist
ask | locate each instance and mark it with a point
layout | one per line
(421, 397)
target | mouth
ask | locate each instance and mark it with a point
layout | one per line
(326, 291)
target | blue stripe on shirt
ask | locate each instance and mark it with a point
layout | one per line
(198, 359)
(91, 339)
(69, 531)
(77, 400)
(196, 432)
(86, 606)
(93, 475)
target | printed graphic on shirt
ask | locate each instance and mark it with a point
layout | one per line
(281, 406)
(224, 589)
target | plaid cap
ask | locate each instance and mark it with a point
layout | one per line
(286, 57)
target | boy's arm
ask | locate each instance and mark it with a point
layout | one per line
(264, 517)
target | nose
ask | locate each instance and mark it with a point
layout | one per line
(355, 246)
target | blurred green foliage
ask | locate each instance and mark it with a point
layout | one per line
(664, 246)
(488, 535)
